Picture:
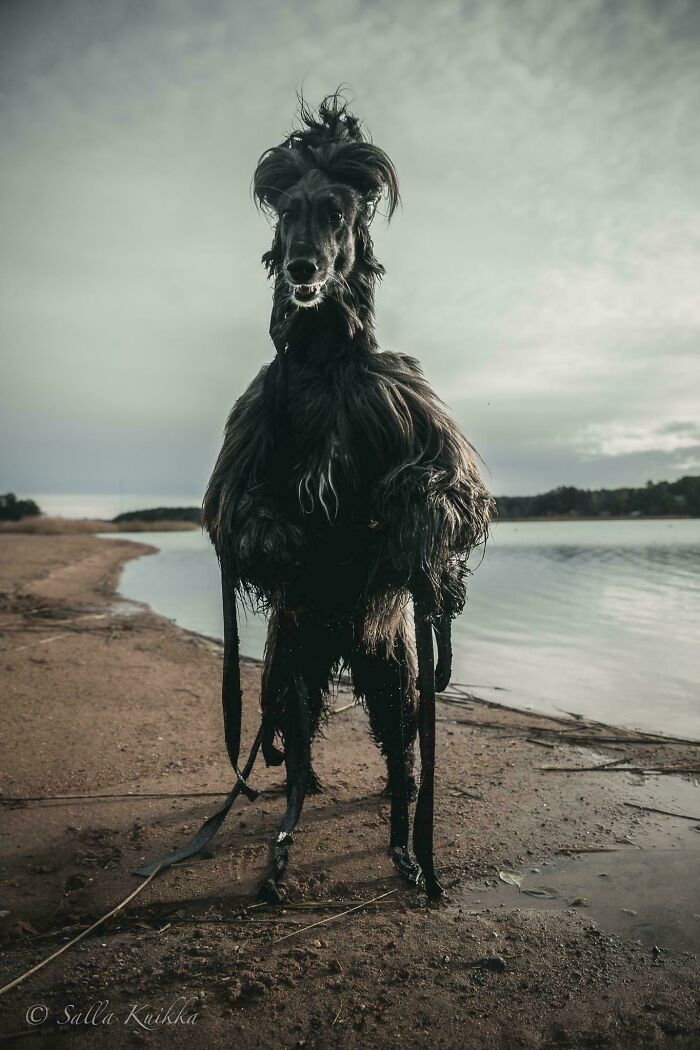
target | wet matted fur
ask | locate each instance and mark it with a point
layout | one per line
(343, 485)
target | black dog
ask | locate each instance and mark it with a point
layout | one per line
(343, 487)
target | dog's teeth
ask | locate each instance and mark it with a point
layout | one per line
(307, 294)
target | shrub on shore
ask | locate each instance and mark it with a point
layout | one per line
(25, 516)
(70, 526)
(13, 509)
(679, 498)
(193, 515)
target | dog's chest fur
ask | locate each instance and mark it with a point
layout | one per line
(335, 456)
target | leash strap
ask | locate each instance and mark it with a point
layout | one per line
(231, 693)
(232, 703)
(274, 401)
(443, 637)
(423, 818)
(210, 826)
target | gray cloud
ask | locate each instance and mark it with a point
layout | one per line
(544, 265)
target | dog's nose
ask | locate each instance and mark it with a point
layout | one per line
(302, 270)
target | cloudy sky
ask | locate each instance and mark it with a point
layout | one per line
(544, 266)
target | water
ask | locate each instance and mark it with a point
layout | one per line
(644, 891)
(596, 618)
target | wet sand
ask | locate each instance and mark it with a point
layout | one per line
(100, 698)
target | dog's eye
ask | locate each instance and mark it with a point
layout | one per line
(336, 217)
(286, 215)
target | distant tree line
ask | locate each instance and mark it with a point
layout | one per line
(656, 499)
(13, 509)
(193, 514)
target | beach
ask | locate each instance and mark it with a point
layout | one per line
(542, 941)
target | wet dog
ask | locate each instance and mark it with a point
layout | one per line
(344, 489)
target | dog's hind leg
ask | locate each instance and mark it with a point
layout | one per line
(272, 686)
(387, 682)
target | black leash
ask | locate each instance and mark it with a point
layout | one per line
(443, 637)
(274, 400)
(425, 804)
(210, 826)
(232, 703)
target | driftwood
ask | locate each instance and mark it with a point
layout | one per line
(331, 918)
(613, 767)
(571, 728)
(664, 812)
(644, 740)
(597, 849)
(64, 948)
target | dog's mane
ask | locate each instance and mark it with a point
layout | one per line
(330, 140)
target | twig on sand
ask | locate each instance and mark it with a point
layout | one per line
(665, 812)
(610, 767)
(331, 918)
(42, 641)
(596, 849)
(198, 920)
(80, 936)
(645, 740)
(52, 625)
(611, 764)
(11, 799)
(345, 707)
(58, 621)
(318, 905)
(570, 736)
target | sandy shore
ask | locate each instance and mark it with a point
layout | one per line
(99, 699)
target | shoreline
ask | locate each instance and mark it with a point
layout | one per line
(612, 517)
(55, 526)
(571, 720)
(50, 526)
(102, 701)
(189, 613)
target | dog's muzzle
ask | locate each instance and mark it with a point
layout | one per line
(308, 294)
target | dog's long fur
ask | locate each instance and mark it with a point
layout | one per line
(361, 488)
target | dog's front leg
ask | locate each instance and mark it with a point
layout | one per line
(297, 757)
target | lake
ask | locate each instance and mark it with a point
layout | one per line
(597, 618)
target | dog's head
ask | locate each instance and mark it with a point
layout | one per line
(323, 185)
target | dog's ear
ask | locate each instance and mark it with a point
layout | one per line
(277, 171)
(365, 246)
(368, 169)
(273, 259)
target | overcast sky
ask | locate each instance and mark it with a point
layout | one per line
(544, 267)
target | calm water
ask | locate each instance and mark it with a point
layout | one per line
(597, 618)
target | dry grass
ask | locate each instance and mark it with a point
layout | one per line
(60, 526)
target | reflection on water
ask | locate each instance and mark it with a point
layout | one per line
(597, 618)
(646, 893)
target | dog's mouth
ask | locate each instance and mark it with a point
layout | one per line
(308, 294)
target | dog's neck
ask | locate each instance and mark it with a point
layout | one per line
(341, 326)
